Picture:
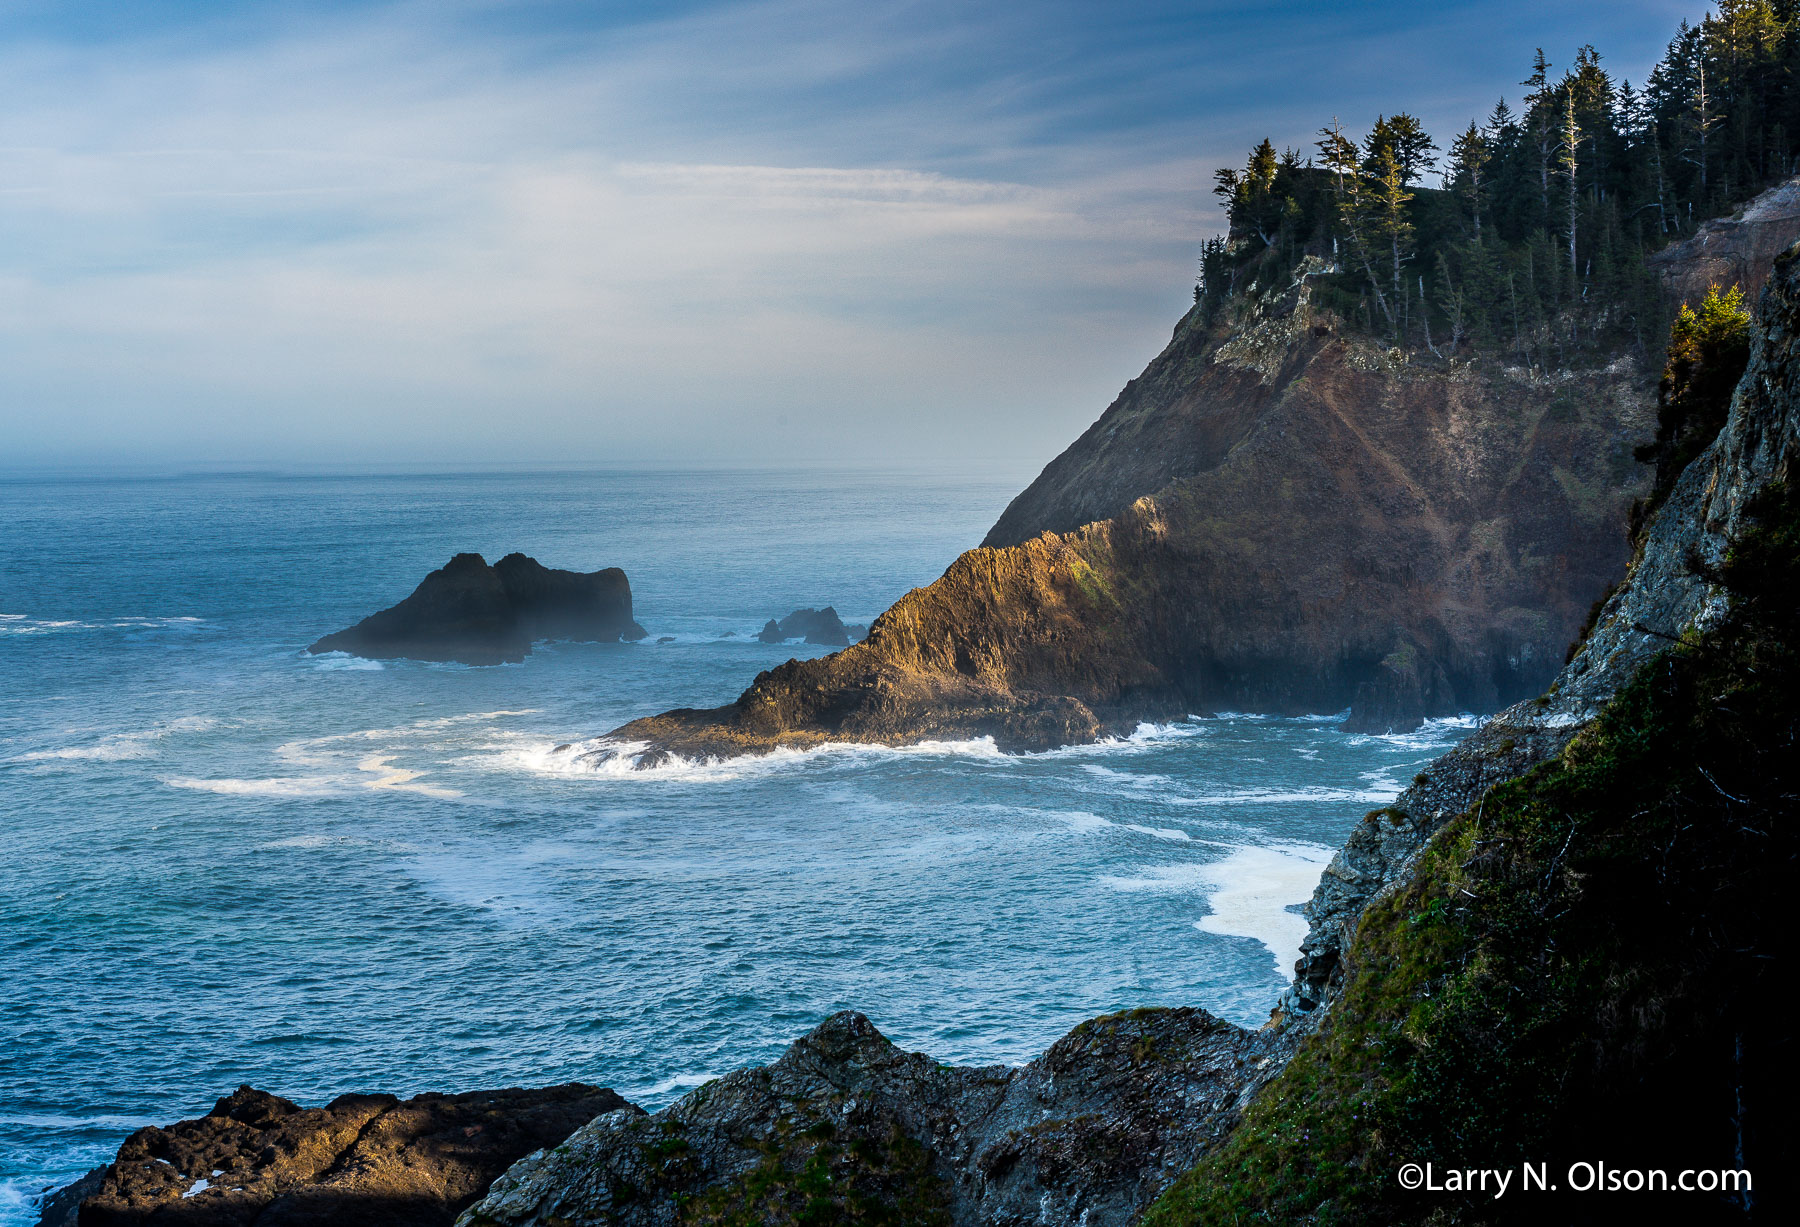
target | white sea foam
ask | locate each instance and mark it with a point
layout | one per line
(1253, 891)
(345, 661)
(279, 786)
(342, 764)
(1289, 796)
(1249, 892)
(679, 1082)
(1433, 734)
(1081, 820)
(1160, 832)
(389, 776)
(1145, 737)
(605, 756)
(610, 759)
(118, 747)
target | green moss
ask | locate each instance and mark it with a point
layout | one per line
(813, 1176)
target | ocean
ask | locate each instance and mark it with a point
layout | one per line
(228, 862)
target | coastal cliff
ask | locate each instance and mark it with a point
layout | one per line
(1278, 516)
(1558, 946)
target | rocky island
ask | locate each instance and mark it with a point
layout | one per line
(817, 626)
(476, 614)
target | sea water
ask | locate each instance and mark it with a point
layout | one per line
(225, 861)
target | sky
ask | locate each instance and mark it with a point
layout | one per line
(705, 232)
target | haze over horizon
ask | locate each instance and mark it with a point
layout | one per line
(710, 232)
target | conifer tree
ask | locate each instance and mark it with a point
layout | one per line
(1538, 115)
(1569, 165)
(1469, 156)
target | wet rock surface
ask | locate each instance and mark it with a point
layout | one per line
(475, 614)
(259, 1159)
(846, 1123)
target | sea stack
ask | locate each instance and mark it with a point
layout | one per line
(476, 614)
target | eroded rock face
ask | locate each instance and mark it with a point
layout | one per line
(258, 1159)
(1665, 593)
(1362, 533)
(470, 612)
(1735, 250)
(1087, 1134)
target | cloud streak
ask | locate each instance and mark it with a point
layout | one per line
(748, 231)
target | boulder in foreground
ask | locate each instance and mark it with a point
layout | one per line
(470, 612)
(359, 1159)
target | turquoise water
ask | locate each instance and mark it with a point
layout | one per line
(228, 862)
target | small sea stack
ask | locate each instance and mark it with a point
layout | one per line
(476, 614)
(818, 626)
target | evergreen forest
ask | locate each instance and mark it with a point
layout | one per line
(1531, 246)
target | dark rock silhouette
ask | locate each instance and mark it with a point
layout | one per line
(1089, 1132)
(820, 626)
(256, 1158)
(481, 615)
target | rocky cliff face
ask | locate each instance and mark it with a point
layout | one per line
(470, 612)
(1666, 594)
(1739, 249)
(1276, 517)
(259, 1159)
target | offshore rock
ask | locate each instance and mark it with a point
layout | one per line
(258, 1159)
(470, 612)
(817, 626)
(846, 1127)
(1666, 593)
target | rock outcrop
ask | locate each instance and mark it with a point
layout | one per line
(817, 626)
(470, 612)
(1736, 250)
(846, 1127)
(258, 1159)
(1276, 517)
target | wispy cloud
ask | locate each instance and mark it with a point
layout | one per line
(734, 231)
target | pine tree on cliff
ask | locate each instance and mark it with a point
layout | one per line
(1388, 201)
(1355, 208)
(1542, 128)
(1569, 165)
(1406, 140)
(1469, 156)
